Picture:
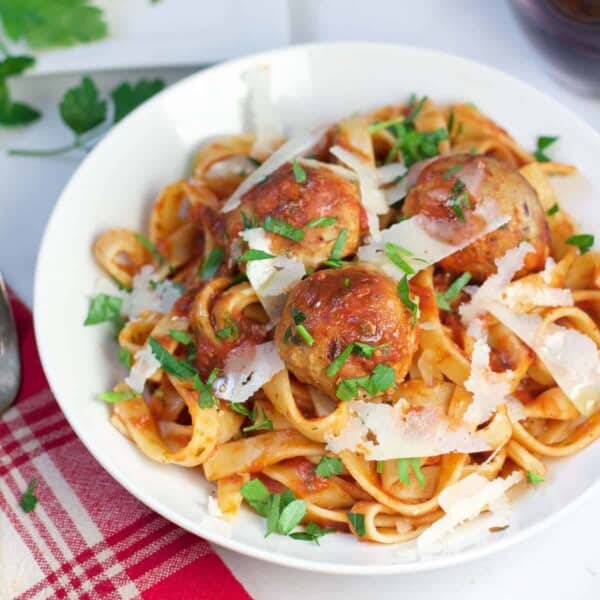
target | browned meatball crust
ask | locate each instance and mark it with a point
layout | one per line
(498, 182)
(356, 303)
(325, 193)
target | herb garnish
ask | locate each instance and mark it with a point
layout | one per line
(365, 350)
(543, 142)
(283, 228)
(212, 263)
(142, 239)
(265, 423)
(338, 249)
(534, 477)
(403, 290)
(113, 397)
(299, 172)
(321, 222)
(104, 307)
(125, 358)
(175, 366)
(230, 331)
(357, 520)
(252, 254)
(312, 532)
(459, 196)
(29, 500)
(453, 290)
(381, 379)
(299, 317)
(402, 467)
(181, 336)
(553, 210)
(394, 253)
(452, 171)
(328, 466)
(584, 241)
(206, 398)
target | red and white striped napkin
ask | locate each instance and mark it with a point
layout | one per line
(87, 537)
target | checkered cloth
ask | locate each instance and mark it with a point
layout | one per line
(87, 536)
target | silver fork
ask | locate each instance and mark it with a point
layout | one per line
(10, 363)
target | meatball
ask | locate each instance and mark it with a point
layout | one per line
(486, 177)
(356, 303)
(324, 193)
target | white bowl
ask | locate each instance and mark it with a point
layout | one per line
(116, 185)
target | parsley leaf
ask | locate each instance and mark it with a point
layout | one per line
(104, 307)
(452, 171)
(256, 495)
(321, 222)
(312, 532)
(206, 398)
(112, 397)
(404, 293)
(394, 253)
(15, 65)
(357, 520)
(299, 317)
(459, 196)
(181, 336)
(253, 254)
(283, 228)
(126, 97)
(328, 466)
(453, 290)
(338, 249)
(29, 500)
(81, 108)
(265, 423)
(125, 358)
(543, 142)
(230, 331)
(212, 263)
(402, 467)
(176, 366)
(381, 379)
(534, 477)
(142, 239)
(273, 514)
(336, 364)
(553, 210)
(14, 113)
(44, 24)
(299, 172)
(584, 241)
(291, 515)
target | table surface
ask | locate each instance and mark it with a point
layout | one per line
(564, 560)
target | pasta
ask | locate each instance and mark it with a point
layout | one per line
(373, 337)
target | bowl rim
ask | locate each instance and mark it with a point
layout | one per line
(247, 549)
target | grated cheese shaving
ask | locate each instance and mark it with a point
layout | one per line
(464, 501)
(425, 431)
(266, 122)
(412, 235)
(271, 278)
(145, 365)
(247, 369)
(293, 148)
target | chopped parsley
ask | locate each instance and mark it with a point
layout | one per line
(534, 477)
(249, 222)
(299, 317)
(212, 263)
(312, 532)
(299, 172)
(264, 423)
(347, 282)
(402, 468)
(103, 308)
(543, 142)
(453, 290)
(252, 254)
(357, 520)
(380, 125)
(114, 397)
(414, 113)
(282, 511)
(180, 336)
(206, 398)
(321, 222)
(451, 122)
(452, 171)
(335, 258)
(459, 197)
(125, 358)
(584, 241)
(403, 290)
(29, 500)
(175, 366)
(230, 331)
(328, 466)
(158, 257)
(381, 379)
(553, 210)
(283, 228)
(379, 467)
(394, 253)
(356, 348)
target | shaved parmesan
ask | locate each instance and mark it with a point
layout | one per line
(145, 365)
(464, 501)
(383, 432)
(389, 173)
(271, 278)
(516, 411)
(317, 164)
(522, 296)
(371, 196)
(489, 389)
(234, 165)
(247, 369)
(160, 297)
(213, 508)
(294, 147)
(266, 123)
(571, 357)
(423, 249)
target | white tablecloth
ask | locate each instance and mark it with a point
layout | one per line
(561, 562)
